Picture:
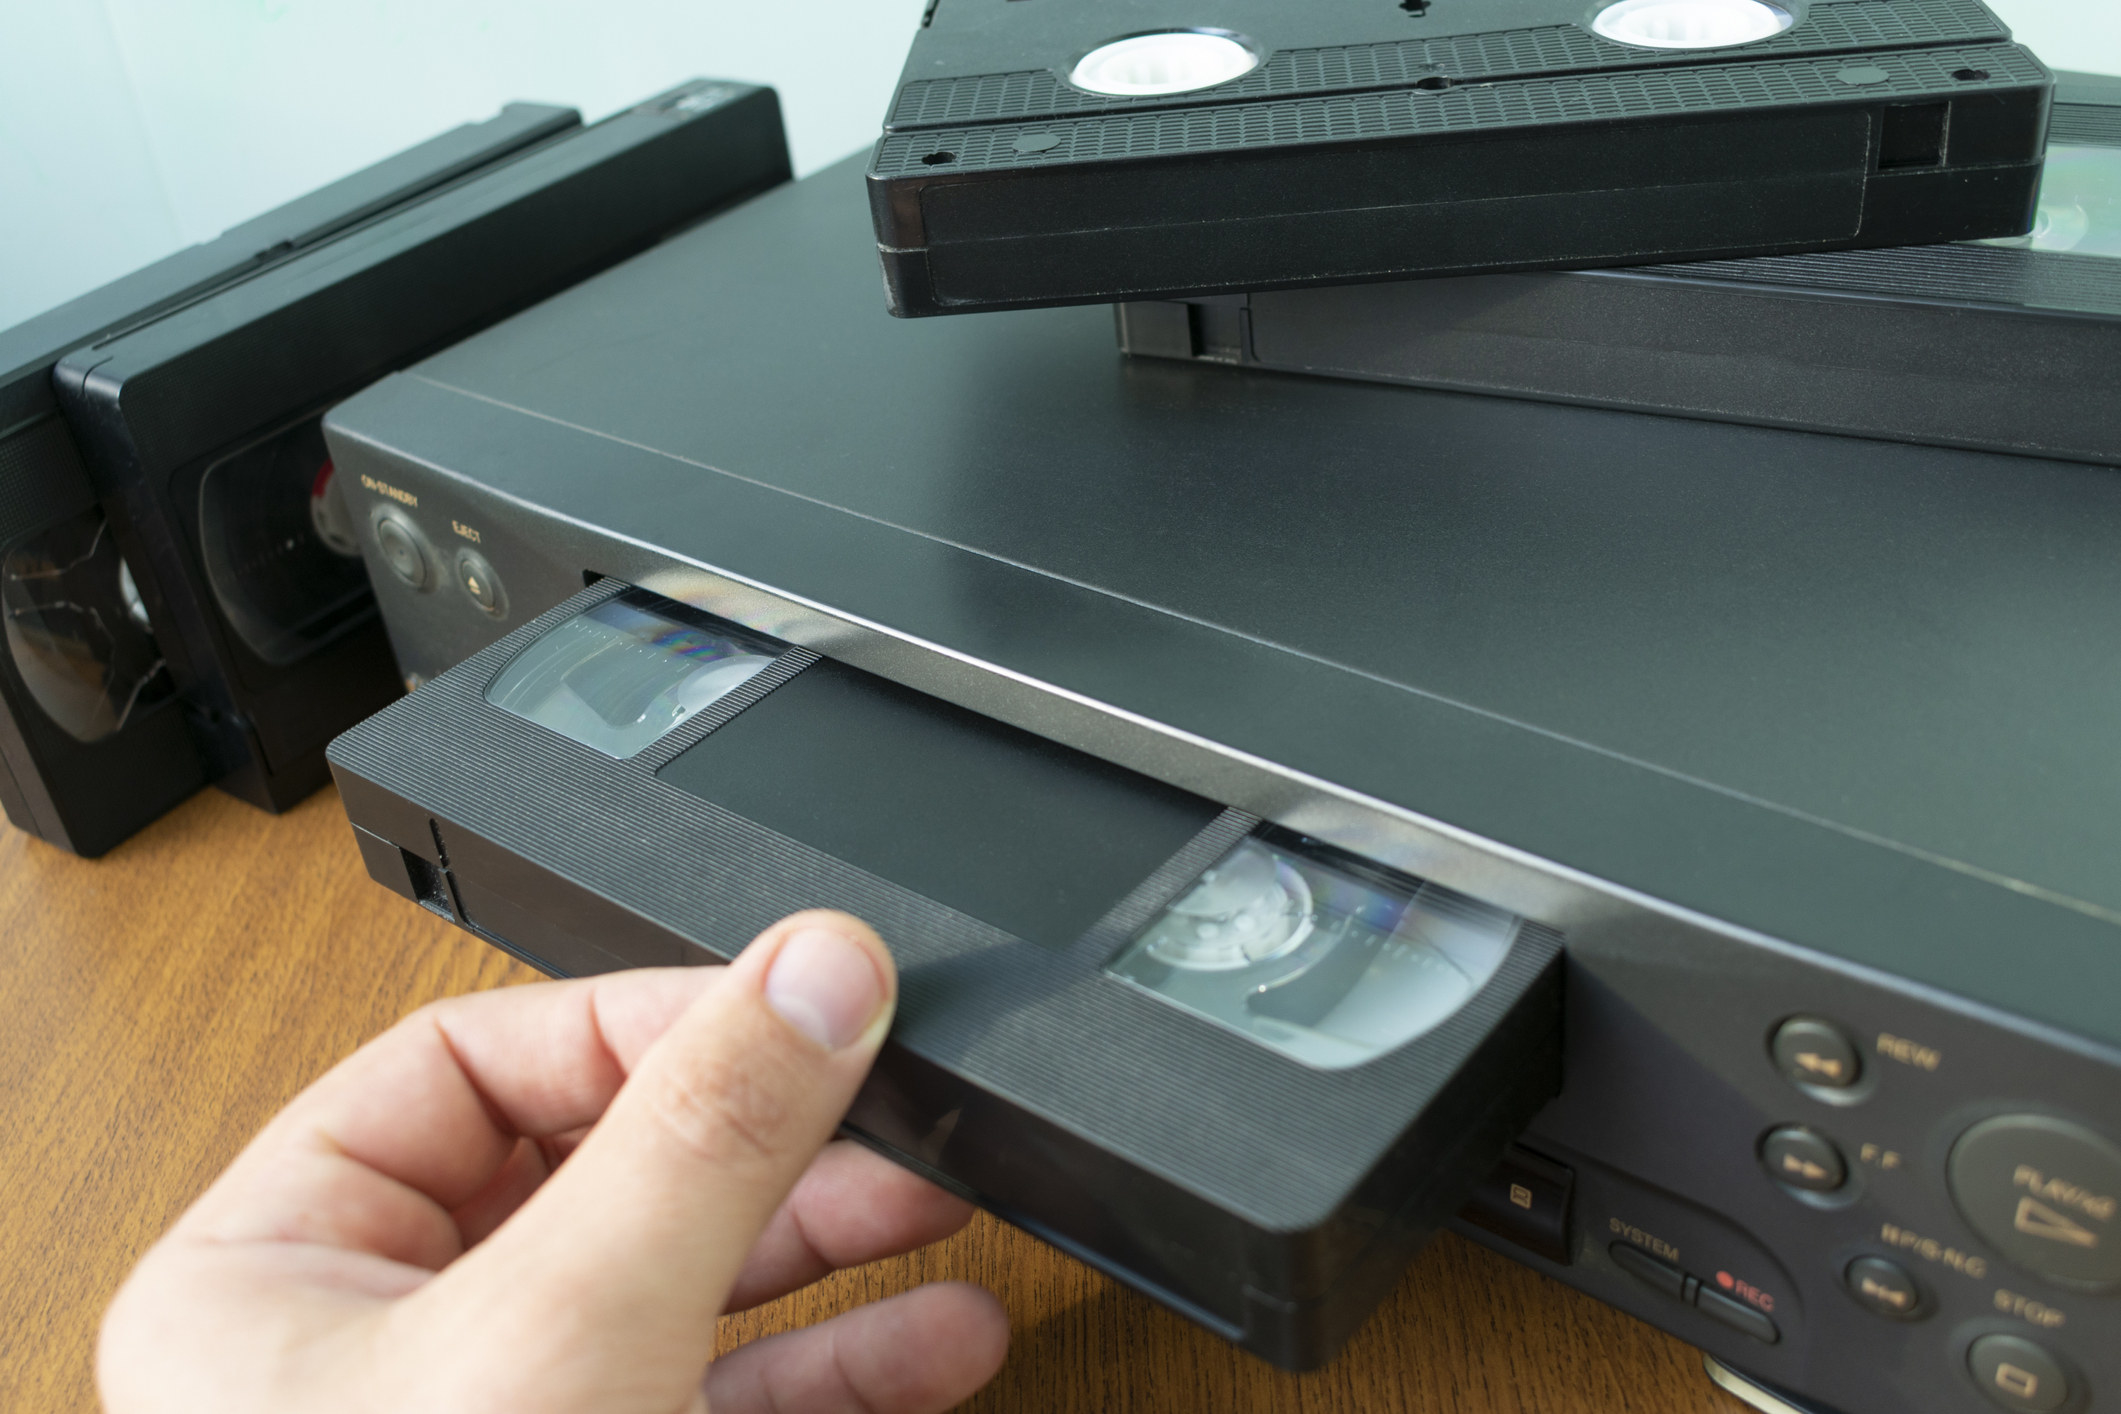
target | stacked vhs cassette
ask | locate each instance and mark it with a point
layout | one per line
(1046, 154)
(2006, 345)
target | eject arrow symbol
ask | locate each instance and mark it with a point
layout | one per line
(2039, 1220)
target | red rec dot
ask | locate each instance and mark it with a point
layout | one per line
(1723, 1279)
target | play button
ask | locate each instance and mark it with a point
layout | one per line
(2045, 1193)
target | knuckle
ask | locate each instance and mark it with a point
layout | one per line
(727, 1112)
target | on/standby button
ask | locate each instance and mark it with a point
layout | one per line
(2044, 1192)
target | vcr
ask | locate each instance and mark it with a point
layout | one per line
(1804, 744)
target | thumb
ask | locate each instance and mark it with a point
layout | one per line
(637, 1239)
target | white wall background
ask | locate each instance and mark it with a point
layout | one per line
(130, 128)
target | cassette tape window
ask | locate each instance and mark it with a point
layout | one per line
(2080, 203)
(77, 629)
(621, 676)
(1328, 959)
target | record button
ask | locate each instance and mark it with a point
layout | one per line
(1737, 1315)
(1803, 1159)
(1809, 1051)
(2017, 1374)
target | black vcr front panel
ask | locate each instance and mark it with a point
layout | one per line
(1754, 1147)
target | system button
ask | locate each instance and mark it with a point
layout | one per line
(2044, 1192)
(1737, 1315)
(1803, 1159)
(1651, 1271)
(1883, 1287)
(2017, 1374)
(1818, 1053)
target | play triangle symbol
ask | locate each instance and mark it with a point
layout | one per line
(2039, 1220)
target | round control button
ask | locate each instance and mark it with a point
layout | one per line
(2045, 1193)
(1883, 1288)
(1803, 1159)
(2017, 1374)
(399, 541)
(477, 579)
(1813, 1052)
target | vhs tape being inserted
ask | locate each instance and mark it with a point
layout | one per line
(1245, 1071)
(1041, 153)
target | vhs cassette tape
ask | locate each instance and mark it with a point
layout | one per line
(2011, 345)
(92, 741)
(199, 430)
(1041, 153)
(1242, 1070)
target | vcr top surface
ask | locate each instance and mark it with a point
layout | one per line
(1860, 696)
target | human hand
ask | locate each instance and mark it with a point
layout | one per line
(403, 1238)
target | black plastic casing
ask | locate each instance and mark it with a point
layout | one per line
(1765, 723)
(86, 797)
(2004, 348)
(1272, 1202)
(153, 408)
(1375, 143)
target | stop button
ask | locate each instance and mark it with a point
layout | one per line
(2045, 1193)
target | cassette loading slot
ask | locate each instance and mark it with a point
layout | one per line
(1239, 1069)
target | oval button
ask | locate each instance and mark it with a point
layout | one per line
(2017, 1375)
(2045, 1193)
(403, 548)
(1803, 1158)
(1813, 1052)
(1884, 1288)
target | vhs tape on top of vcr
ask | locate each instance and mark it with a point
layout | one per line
(1040, 153)
(2010, 345)
(198, 609)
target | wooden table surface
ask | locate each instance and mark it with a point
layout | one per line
(160, 1003)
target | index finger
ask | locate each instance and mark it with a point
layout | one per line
(376, 1153)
